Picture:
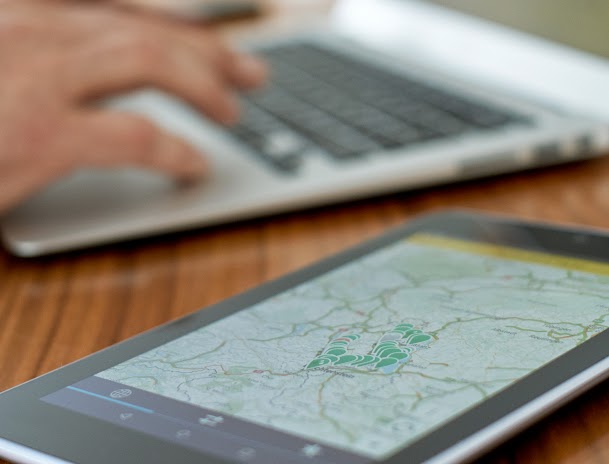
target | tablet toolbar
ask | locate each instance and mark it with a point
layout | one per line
(193, 427)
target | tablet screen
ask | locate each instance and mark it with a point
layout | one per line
(358, 363)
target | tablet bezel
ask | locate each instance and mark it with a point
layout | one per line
(74, 437)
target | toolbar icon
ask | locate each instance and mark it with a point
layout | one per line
(122, 393)
(245, 454)
(183, 434)
(211, 420)
(311, 451)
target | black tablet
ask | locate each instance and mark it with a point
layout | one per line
(431, 343)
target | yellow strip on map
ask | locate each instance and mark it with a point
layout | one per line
(506, 252)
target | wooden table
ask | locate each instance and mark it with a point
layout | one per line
(58, 309)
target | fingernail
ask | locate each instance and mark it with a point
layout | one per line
(191, 165)
(198, 168)
(251, 68)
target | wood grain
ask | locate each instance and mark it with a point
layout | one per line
(58, 309)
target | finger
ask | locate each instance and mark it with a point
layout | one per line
(242, 70)
(248, 71)
(128, 61)
(18, 185)
(114, 139)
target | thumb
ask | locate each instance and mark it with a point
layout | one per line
(114, 139)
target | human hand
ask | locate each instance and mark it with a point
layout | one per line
(56, 59)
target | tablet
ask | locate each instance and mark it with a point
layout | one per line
(429, 344)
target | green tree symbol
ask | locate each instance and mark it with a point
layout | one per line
(393, 349)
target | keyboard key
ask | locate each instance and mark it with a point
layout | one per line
(323, 99)
(280, 144)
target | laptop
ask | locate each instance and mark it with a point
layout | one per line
(384, 96)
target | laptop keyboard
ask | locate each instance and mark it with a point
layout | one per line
(321, 100)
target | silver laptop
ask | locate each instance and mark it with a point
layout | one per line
(388, 95)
